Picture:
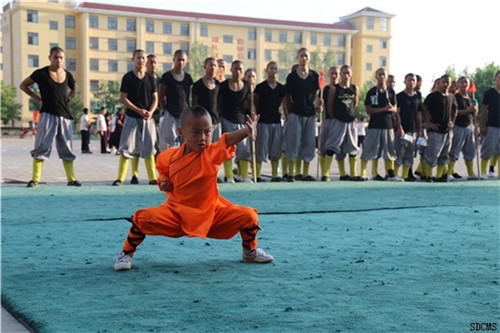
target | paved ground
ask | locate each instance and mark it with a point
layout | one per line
(90, 169)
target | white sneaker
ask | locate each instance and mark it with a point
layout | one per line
(229, 180)
(472, 177)
(247, 180)
(484, 177)
(123, 262)
(257, 256)
(491, 174)
(450, 178)
(395, 179)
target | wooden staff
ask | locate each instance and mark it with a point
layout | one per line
(321, 87)
(254, 159)
(477, 129)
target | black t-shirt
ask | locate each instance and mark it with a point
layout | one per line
(232, 103)
(176, 92)
(440, 108)
(269, 102)
(208, 98)
(491, 98)
(343, 103)
(463, 103)
(54, 95)
(409, 106)
(139, 91)
(303, 93)
(380, 98)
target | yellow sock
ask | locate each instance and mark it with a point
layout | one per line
(228, 169)
(37, 170)
(306, 169)
(396, 170)
(498, 165)
(406, 171)
(244, 167)
(440, 170)
(353, 166)
(321, 161)
(274, 168)
(364, 165)
(375, 167)
(327, 164)
(484, 165)
(291, 166)
(451, 166)
(122, 168)
(426, 169)
(493, 160)
(298, 166)
(389, 165)
(258, 168)
(284, 164)
(470, 167)
(341, 164)
(135, 166)
(150, 167)
(70, 171)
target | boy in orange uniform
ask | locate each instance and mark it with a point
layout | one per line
(188, 176)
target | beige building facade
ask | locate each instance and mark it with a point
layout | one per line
(99, 39)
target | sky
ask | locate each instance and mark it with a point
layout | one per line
(428, 36)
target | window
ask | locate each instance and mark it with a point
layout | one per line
(327, 40)
(282, 37)
(94, 64)
(53, 25)
(228, 58)
(94, 43)
(252, 34)
(314, 38)
(70, 43)
(150, 26)
(32, 16)
(184, 47)
(383, 43)
(150, 47)
(269, 35)
(112, 65)
(32, 60)
(382, 61)
(167, 48)
(341, 41)
(131, 45)
(130, 24)
(167, 28)
(70, 21)
(130, 66)
(267, 55)
(71, 64)
(32, 38)
(184, 29)
(94, 86)
(340, 59)
(297, 38)
(203, 30)
(167, 67)
(227, 39)
(369, 48)
(112, 44)
(369, 66)
(112, 23)
(370, 22)
(251, 54)
(383, 23)
(93, 21)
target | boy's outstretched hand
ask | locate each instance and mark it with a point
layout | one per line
(252, 125)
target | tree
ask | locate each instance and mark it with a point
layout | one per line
(10, 109)
(76, 107)
(360, 109)
(108, 94)
(287, 57)
(197, 55)
(483, 79)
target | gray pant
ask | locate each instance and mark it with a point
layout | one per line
(138, 137)
(379, 142)
(300, 137)
(464, 141)
(438, 148)
(491, 143)
(268, 143)
(243, 148)
(340, 137)
(168, 135)
(405, 155)
(52, 127)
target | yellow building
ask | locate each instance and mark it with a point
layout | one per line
(99, 39)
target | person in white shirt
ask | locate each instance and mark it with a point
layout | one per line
(85, 131)
(102, 130)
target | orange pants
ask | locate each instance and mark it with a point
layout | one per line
(228, 222)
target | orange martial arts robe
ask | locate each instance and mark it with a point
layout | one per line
(194, 207)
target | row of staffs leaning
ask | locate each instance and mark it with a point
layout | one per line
(301, 98)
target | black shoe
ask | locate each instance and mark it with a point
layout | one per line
(443, 179)
(308, 178)
(276, 179)
(325, 178)
(134, 180)
(298, 177)
(357, 179)
(32, 183)
(456, 176)
(345, 177)
(74, 183)
(152, 182)
(418, 173)
(290, 179)
(410, 179)
(260, 180)
(379, 178)
(117, 183)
